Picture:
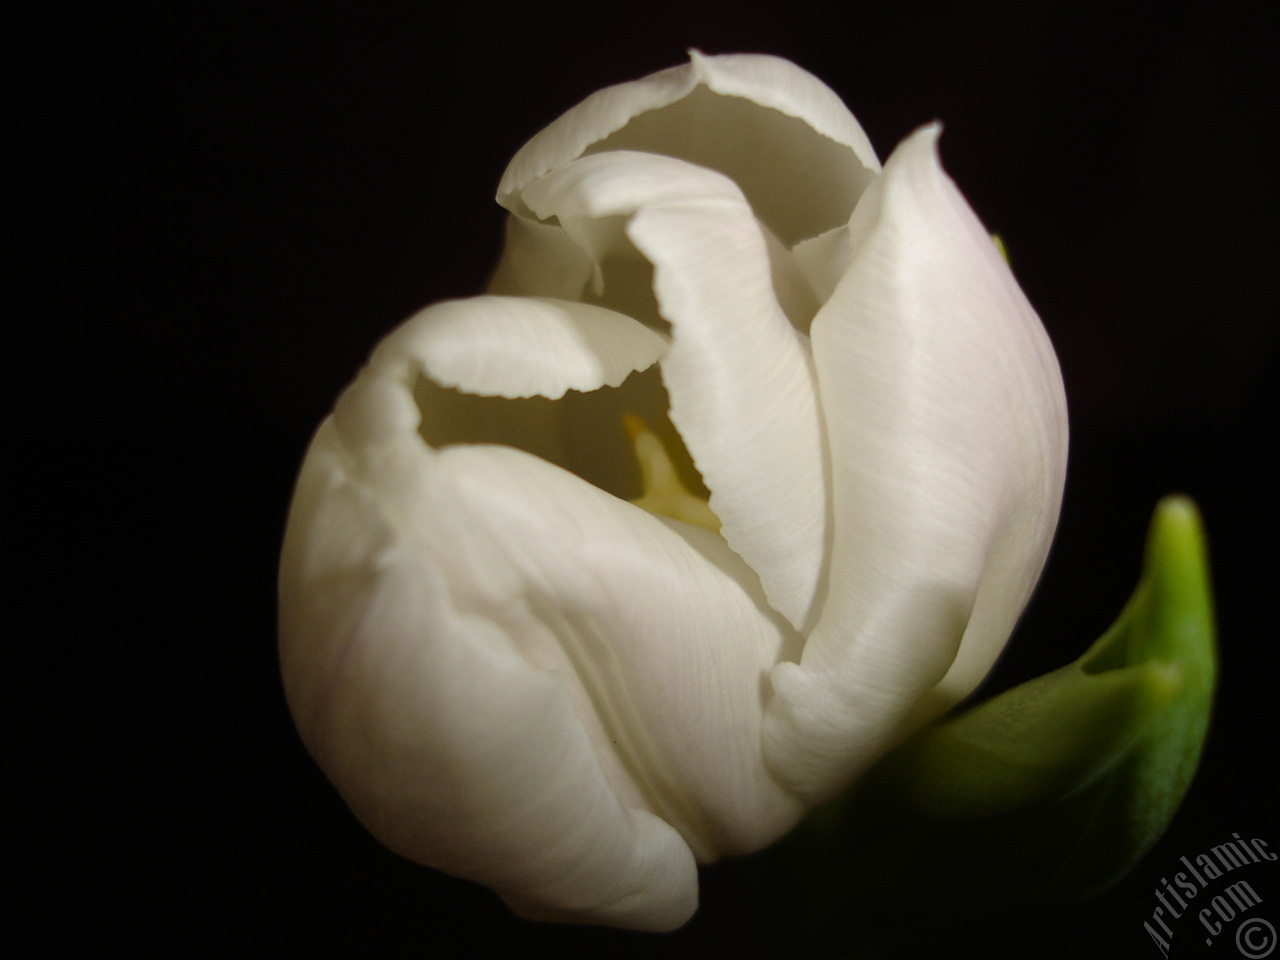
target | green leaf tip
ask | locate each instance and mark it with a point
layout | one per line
(1055, 789)
(999, 242)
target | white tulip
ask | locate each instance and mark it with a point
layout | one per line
(514, 674)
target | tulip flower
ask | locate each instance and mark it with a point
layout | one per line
(740, 473)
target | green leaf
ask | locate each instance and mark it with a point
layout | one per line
(1055, 789)
(1168, 622)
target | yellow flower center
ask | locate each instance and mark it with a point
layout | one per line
(664, 495)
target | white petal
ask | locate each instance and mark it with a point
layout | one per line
(780, 84)
(793, 289)
(517, 678)
(512, 347)
(540, 260)
(446, 742)
(622, 181)
(947, 428)
(760, 120)
(664, 628)
(741, 386)
(522, 346)
(824, 260)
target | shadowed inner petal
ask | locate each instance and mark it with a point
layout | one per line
(583, 433)
(799, 182)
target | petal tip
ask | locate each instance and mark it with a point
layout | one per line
(923, 142)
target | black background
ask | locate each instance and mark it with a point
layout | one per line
(229, 205)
